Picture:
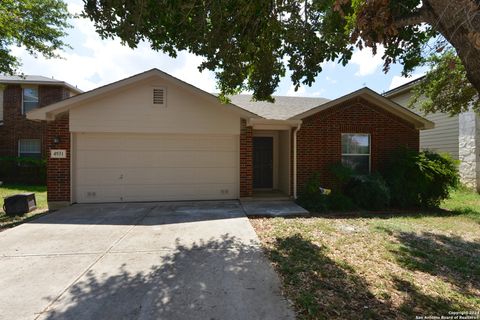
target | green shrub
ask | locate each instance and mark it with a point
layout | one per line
(310, 197)
(342, 173)
(337, 201)
(420, 178)
(23, 170)
(368, 191)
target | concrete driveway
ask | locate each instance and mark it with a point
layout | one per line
(196, 260)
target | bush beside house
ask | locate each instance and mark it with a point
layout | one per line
(410, 179)
(23, 170)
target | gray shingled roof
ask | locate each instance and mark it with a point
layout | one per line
(34, 79)
(283, 108)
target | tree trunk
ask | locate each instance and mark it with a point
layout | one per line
(459, 22)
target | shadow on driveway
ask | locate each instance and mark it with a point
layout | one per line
(216, 279)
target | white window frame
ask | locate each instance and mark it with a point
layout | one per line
(23, 95)
(359, 154)
(19, 146)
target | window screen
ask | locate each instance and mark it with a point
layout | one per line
(30, 99)
(29, 148)
(356, 152)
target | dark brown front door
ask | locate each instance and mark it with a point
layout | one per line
(262, 162)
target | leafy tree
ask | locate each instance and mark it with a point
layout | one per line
(445, 88)
(38, 25)
(402, 26)
(250, 44)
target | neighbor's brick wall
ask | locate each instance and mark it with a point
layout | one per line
(58, 170)
(15, 124)
(319, 139)
(246, 159)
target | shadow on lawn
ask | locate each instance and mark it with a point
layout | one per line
(451, 258)
(216, 279)
(323, 288)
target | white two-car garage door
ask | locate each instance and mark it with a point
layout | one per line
(113, 167)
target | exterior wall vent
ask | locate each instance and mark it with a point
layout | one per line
(159, 97)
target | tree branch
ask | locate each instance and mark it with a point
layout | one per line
(422, 15)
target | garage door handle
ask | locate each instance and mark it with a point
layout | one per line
(121, 176)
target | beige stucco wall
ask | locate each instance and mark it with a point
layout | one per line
(132, 110)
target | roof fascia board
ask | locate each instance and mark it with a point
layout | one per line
(270, 124)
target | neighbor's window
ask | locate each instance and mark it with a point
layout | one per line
(356, 151)
(30, 99)
(29, 148)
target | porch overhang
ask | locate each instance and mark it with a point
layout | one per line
(271, 124)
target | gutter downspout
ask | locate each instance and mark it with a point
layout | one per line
(295, 160)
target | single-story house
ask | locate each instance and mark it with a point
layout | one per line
(152, 137)
(457, 135)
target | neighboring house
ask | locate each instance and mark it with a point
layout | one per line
(458, 135)
(152, 137)
(18, 95)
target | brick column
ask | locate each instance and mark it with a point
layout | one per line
(58, 170)
(246, 159)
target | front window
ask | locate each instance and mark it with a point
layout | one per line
(30, 99)
(356, 152)
(29, 148)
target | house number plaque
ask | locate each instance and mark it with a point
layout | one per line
(58, 153)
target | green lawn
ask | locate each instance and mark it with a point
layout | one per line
(9, 189)
(381, 266)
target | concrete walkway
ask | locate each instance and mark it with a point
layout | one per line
(273, 208)
(198, 260)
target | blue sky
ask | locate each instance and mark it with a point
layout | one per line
(95, 62)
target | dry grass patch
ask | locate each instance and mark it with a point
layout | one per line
(379, 266)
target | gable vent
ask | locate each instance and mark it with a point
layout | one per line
(159, 96)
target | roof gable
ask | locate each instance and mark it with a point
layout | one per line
(373, 97)
(49, 112)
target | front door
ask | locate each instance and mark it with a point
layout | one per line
(263, 162)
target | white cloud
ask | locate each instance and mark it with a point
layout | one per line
(399, 80)
(330, 80)
(94, 62)
(367, 62)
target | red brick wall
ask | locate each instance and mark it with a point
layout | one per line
(15, 124)
(319, 139)
(58, 170)
(246, 159)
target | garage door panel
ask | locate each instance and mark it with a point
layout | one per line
(166, 159)
(101, 176)
(144, 142)
(155, 167)
(179, 192)
(142, 192)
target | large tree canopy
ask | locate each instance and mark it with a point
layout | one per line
(250, 44)
(38, 25)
